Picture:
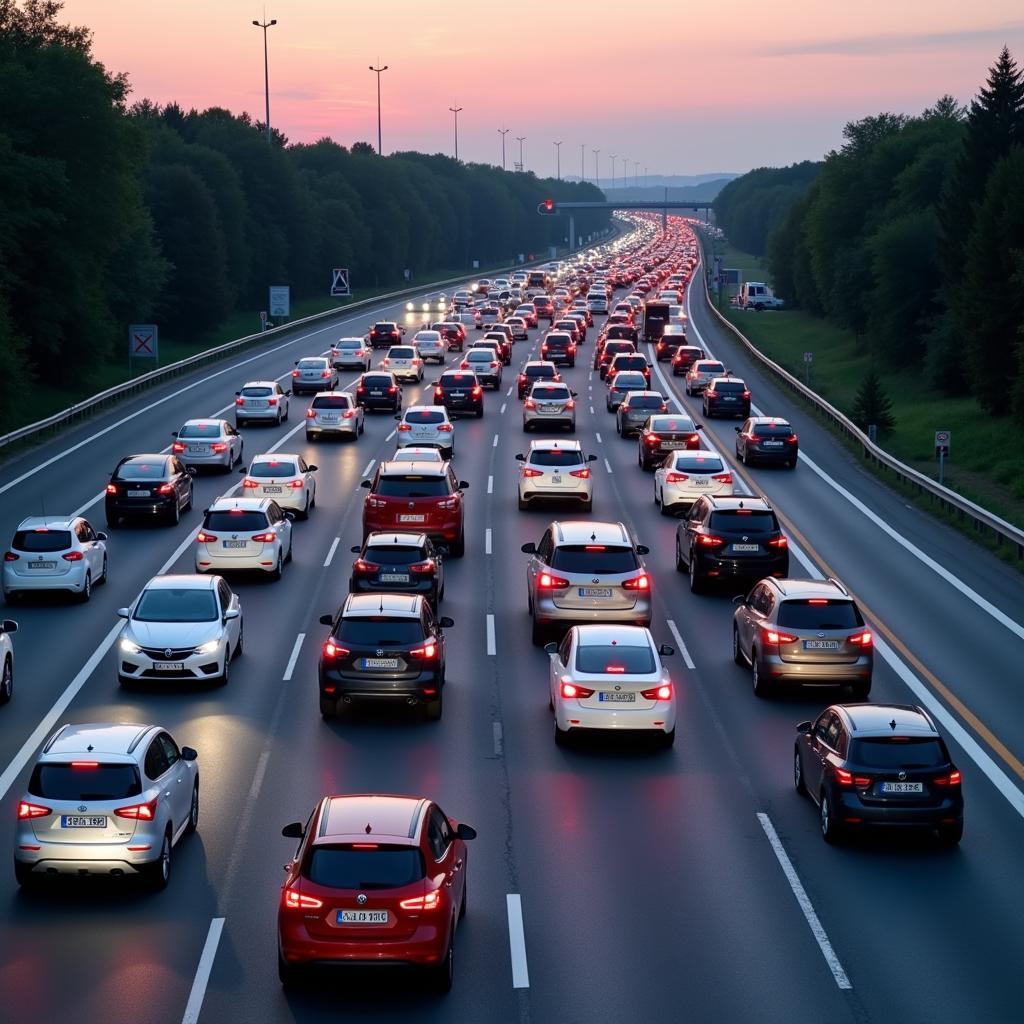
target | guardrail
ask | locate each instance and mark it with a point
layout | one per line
(984, 522)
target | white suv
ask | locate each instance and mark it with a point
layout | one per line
(244, 533)
(556, 471)
(426, 425)
(54, 553)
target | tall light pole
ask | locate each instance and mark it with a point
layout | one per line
(520, 139)
(377, 71)
(597, 173)
(266, 72)
(503, 132)
(558, 160)
(613, 156)
(583, 176)
(455, 111)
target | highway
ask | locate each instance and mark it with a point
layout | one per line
(691, 884)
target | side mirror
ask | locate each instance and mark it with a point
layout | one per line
(232, 613)
(238, 394)
(398, 416)
(123, 613)
(698, 426)
(551, 648)
(8, 626)
(446, 622)
(191, 470)
(288, 393)
(520, 457)
(466, 832)
(529, 549)
(293, 831)
(642, 549)
(189, 753)
(591, 458)
(574, 394)
(366, 483)
(242, 470)
(463, 484)
(296, 363)
(739, 599)
(312, 468)
(327, 620)
(289, 515)
(666, 649)
(737, 429)
(356, 548)
(804, 728)
(174, 433)
(101, 536)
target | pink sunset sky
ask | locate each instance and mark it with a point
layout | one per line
(681, 88)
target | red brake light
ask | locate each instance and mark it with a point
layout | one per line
(10, 556)
(72, 556)
(325, 374)
(239, 401)
(219, 446)
(332, 649)
(271, 401)
(676, 478)
(138, 812)
(205, 538)
(580, 474)
(264, 538)
(953, 779)
(779, 542)
(296, 484)
(662, 692)
(641, 582)
(864, 639)
(529, 404)
(295, 900)
(248, 483)
(445, 428)
(546, 581)
(652, 438)
(30, 810)
(573, 691)
(393, 389)
(361, 565)
(843, 777)
(707, 540)
(723, 478)
(424, 567)
(425, 653)
(177, 447)
(774, 637)
(477, 391)
(746, 394)
(527, 471)
(111, 489)
(429, 901)
(522, 378)
(792, 439)
(310, 414)
(165, 489)
(403, 428)
(439, 392)
(295, 373)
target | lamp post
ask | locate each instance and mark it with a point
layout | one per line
(378, 71)
(597, 175)
(558, 160)
(583, 176)
(455, 111)
(266, 72)
(503, 132)
(520, 139)
(613, 156)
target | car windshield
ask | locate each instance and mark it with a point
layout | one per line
(555, 457)
(85, 780)
(176, 604)
(257, 392)
(458, 380)
(646, 402)
(819, 613)
(749, 520)
(424, 416)
(200, 430)
(772, 430)
(730, 386)
(236, 520)
(332, 402)
(405, 352)
(143, 471)
(376, 381)
(384, 867)
(594, 558)
(353, 343)
(670, 424)
(380, 631)
(272, 468)
(412, 487)
(899, 752)
(312, 364)
(697, 464)
(393, 554)
(41, 540)
(709, 368)
(615, 659)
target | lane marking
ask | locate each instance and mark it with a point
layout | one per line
(330, 553)
(517, 940)
(491, 646)
(591, 410)
(391, 435)
(202, 978)
(490, 485)
(508, 394)
(290, 668)
(498, 742)
(597, 434)
(369, 466)
(681, 644)
(487, 541)
(502, 409)
(495, 443)
(817, 930)
(608, 465)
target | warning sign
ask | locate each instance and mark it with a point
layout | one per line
(339, 282)
(142, 341)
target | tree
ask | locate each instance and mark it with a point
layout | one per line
(872, 405)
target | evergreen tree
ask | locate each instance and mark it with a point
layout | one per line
(872, 405)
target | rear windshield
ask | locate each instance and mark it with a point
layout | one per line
(629, 382)
(427, 336)
(387, 867)
(772, 430)
(380, 631)
(547, 392)
(899, 752)
(200, 430)
(690, 351)
(671, 423)
(730, 385)
(614, 348)
(458, 380)
(540, 371)
(394, 554)
(614, 659)
(42, 540)
(376, 380)
(385, 326)
(312, 364)
(412, 486)
(236, 521)
(257, 392)
(405, 352)
(710, 368)
(352, 343)
(558, 340)
(745, 519)
(270, 468)
(555, 457)
(646, 402)
(480, 355)
(594, 558)
(177, 605)
(697, 464)
(820, 614)
(85, 782)
(142, 471)
(423, 416)
(332, 402)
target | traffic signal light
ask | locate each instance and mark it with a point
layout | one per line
(546, 207)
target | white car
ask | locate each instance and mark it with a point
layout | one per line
(417, 453)
(54, 553)
(429, 345)
(486, 363)
(7, 627)
(261, 400)
(556, 471)
(611, 677)
(677, 315)
(334, 412)
(702, 373)
(351, 353)
(208, 443)
(287, 479)
(550, 404)
(404, 362)
(244, 533)
(426, 425)
(180, 627)
(685, 476)
(314, 373)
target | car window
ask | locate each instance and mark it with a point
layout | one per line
(555, 457)
(819, 613)
(544, 547)
(41, 540)
(899, 752)
(565, 647)
(831, 737)
(332, 402)
(405, 352)
(174, 604)
(424, 416)
(224, 592)
(646, 402)
(236, 520)
(343, 867)
(376, 380)
(594, 558)
(604, 658)
(257, 392)
(393, 554)
(412, 486)
(171, 750)
(85, 781)
(671, 423)
(200, 430)
(439, 833)
(458, 380)
(730, 386)
(698, 464)
(705, 367)
(772, 430)
(821, 725)
(272, 468)
(746, 519)
(540, 371)
(142, 470)
(156, 760)
(379, 630)
(548, 392)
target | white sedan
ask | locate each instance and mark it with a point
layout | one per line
(684, 476)
(287, 479)
(612, 678)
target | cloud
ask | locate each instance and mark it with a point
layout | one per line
(896, 43)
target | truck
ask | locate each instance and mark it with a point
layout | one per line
(656, 316)
(757, 295)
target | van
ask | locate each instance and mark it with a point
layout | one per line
(757, 295)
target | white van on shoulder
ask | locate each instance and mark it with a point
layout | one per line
(757, 295)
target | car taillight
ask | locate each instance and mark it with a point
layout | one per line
(546, 581)
(952, 779)
(372, 502)
(529, 404)
(572, 350)
(219, 446)
(138, 812)
(295, 373)
(423, 567)
(463, 365)
(394, 334)
(651, 439)
(165, 489)
(10, 556)
(360, 388)
(295, 900)
(746, 395)
(792, 439)
(111, 489)
(72, 556)
(296, 484)
(846, 778)
(332, 649)
(325, 374)
(264, 538)
(30, 810)
(271, 401)
(641, 582)
(709, 540)
(779, 542)
(439, 392)
(239, 401)
(445, 428)
(571, 404)
(522, 378)
(864, 639)
(477, 391)
(450, 504)
(573, 691)
(202, 537)
(774, 637)
(348, 414)
(393, 389)
(527, 471)
(361, 565)
(429, 901)
(662, 692)
(723, 478)
(403, 428)
(177, 447)
(386, 362)
(248, 483)
(427, 652)
(676, 478)
(310, 414)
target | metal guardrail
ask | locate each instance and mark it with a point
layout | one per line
(984, 522)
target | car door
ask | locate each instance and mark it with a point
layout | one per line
(177, 780)
(538, 563)
(447, 862)
(749, 617)
(281, 525)
(559, 662)
(308, 477)
(228, 600)
(823, 736)
(234, 441)
(157, 772)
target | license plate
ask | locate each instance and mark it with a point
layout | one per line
(672, 445)
(379, 917)
(608, 697)
(772, 444)
(269, 489)
(458, 394)
(197, 449)
(394, 577)
(329, 417)
(595, 591)
(377, 394)
(902, 787)
(556, 479)
(380, 663)
(138, 494)
(168, 666)
(821, 645)
(42, 565)
(234, 543)
(255, 405)
(703, 481)
(83, 821)
(412, 519)
(746, 547)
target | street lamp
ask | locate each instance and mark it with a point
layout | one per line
(378, 71)
(266, 72)
(583, 177)
(613, 156)
(455, 111)
(558, 160)
(503, 132)
(597, 173)
(520, 139)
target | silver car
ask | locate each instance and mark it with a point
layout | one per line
(314, 373)
(106, 799)
(430, 345)
(586, 571)
(550, 404)
(701, 373)
(621, 385)
(334, 412)
(486, 364)
(208, 443)
(54, 553)
(426, 425)
(556, 471)
(635, 409)
(263, 400)
(245, 533)
(351, 353)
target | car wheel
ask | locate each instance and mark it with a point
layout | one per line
(538, 633)
(618, 427)
(588, 506)
(175, 516)
(434, 708)
(666, 740)
(191, 498)
(657, 500)
(860, 691)
(798, 773)
(86, 589)
(362, 427)
(830, 829)
(284, 418)
(756, 679)
(224, 677)
(304, 514)
(697, 585)
(6, 681)
(193, 811)
(159, 872)
(465, 899)
(740, 455)
(328, 708)
(480, 412)
(950, 835)
(25, 876)
(276, 572)
(291, 546)
(791, 464)
(103, 575)
(309, 437)
(459, 547)
(442, 975)
(523, 505)
(737, 651)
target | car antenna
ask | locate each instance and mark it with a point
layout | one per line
(892, 725)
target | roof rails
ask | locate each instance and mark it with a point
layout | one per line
(53, 739)
(832, 579)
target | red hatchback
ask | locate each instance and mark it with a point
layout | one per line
(375, 879)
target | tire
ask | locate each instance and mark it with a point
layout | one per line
(362, 428)
(86, 593)
(588, 506)
(860, 691)
(309, 437)
(225, 676)
(175, 516)
(523, 505)
(657, 500)
(191, 498)
(291, 546)
(284, 418)
(480, 413)
(666, 740)
(459, 547)
(697, 584)
(465, 900)
(241, 641)
(831, 831)
(304, 514)
(791, 464)
(739, 455)
(435, 708)
(158, 874)
(756, 679)
(103, 575)
(6, 682)
(737, 653)
(25, 876)
(950, 835)
(798, 773)
(440, 977)
(276, 573)
(618, 427)
(193, 812)
(680, 564)
(328, 708)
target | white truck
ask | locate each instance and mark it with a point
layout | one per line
(757, 295)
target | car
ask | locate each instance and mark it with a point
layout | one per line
(519, 327)
(261, 400)
(611, 678)
(426, 425)
(669, 343)
(550, 403)
(504, 331)
(437, 303)
(384, 334)
(726, 396)
(314, 373)
(730, 538)
(684, 357)
(157, 486)
(486, 364)
(609, 350)
(400, 562)
(580, 312)
(586, 571)
(878, 766)
(351, 352)
(334, 412)
(701, 373)
(767, 439)
(665, 433)
(803, 632)
(404, 362)
(558, 347)
(469, 318)
(684, 476)
(379, 390)
(417, 453)
(576, 329)
(555, 471)
(287, 479)
(545, 307)
(528, 312)
(633, 361)
(106, 799)
(459, 391)
(597, 302)
(181, 627)
(7, 628)
(421, 496)
(636, 409)
(621, 385)
(208, 443)
(240, 534)
(430, 346)
(503, 343)
(490, 314)
(383, 647)
(398, 899)
(54, 553)
(462, 299)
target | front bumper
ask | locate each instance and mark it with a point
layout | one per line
(195, 667)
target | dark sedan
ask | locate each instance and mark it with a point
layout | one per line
(767, 439)
(148, 487)
(379, 390)
(459, 391)
(663, 434)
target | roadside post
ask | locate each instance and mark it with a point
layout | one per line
(942, 445)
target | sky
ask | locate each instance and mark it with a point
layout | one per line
(679, 88)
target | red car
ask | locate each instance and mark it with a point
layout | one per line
(375, 879)
(421, 496)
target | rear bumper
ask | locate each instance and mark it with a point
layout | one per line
(341, 427)
(570, 714)
(74, 581)
(949, 811)
(426, 947)
(773, 667)
(141, 510)
(739, 568)
(546, 612)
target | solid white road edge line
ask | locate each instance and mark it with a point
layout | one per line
(491, 645)
(517, 941)
(330, 553)
(805, 903)
(294, 657)
(202, 978)
(681, 644)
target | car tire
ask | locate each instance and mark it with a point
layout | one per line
(435, 708)
(737, 650)
(697, 583)
(441, 977)
(275, 573)
(304, 514)
(86, 593)
(239, 647)
(561, 738)
(193, 810)
(950, 835)
(104, 574)
(791, 464)
(757, 681)
(740, 456)
(284, 418)
(362, 428)
(523, 505)
(480, 413)
(7, 681)
(191, 499)
(309, 437)
(158, 874)
(459, 547)
(587, 506)
(328, 708)
(860, 691)
(175, 516)
(26, 878)
(225, 676)
(798, 773)
(465, 900)
(831, 831)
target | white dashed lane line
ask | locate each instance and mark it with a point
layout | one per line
(330, 553)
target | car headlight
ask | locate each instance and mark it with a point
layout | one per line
(128, 646)
(409, 307)
(425, 307)
(210, 647)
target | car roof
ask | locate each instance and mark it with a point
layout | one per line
(395, 468)
(153, 457)
(259, 384)
(358, 606)
(204, 423)
(644, 394)
(539, 362)
(182, 581)
(398, 537)
(426, 408)
(751, 501)
(119, 738)
(561, 446)
(777, 420)
(801, 590)
(242, 504)
(695, 453)
(311, 359)
(361, 341)
(602, 635)
(46, 523)
(726, 377)
(866, 720)
(369, 816)
(585, 531)
(333, 394)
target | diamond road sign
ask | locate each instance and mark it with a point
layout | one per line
(142, 341)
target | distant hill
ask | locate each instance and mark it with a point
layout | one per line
(705, 190)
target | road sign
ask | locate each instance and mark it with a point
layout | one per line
(942, 441)
(263, 319)
(280, 301)
(808, 357)
(339, 282)
(142, 341)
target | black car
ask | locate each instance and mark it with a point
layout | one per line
(385, 648)
(454, 335)
(609, 350)
(730, 538)
(459, 391)
(670, 340)
(685, 356)
(379, 390)
(385, 333)
(504, 343)
(767, 439)
(727, 396)
(878, 765)
(534, 371)
(148, 487)
(405, 563)
(663, 434)
(558, 347)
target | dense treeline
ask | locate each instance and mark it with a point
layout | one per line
(114, 213)
(912, 236)
(751, 207)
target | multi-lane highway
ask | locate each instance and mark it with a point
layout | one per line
(690, 884)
